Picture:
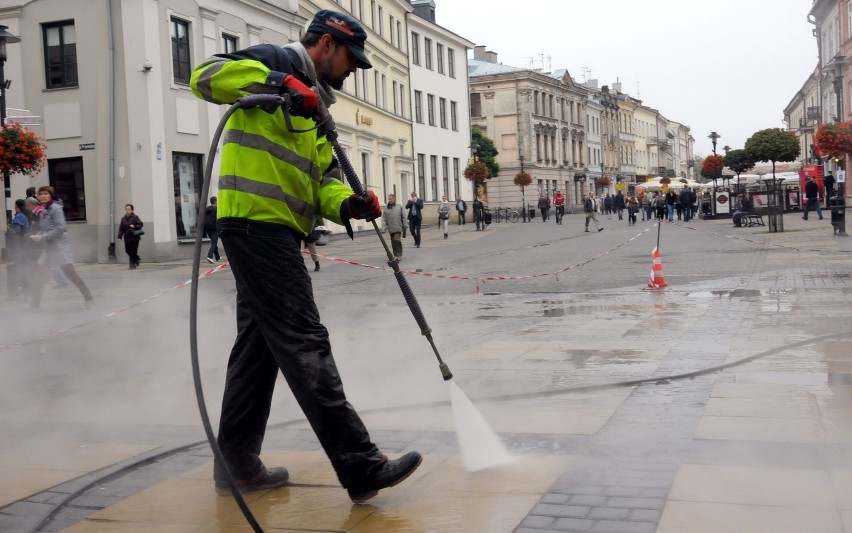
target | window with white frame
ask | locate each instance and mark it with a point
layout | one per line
(418, 107)
(433, 166)
(181, 58)
(427, 52)
(60, 54)
(365, 168)
(395, 92)
(442, 110)
(415, 48)
(430, 109)
(439, 53)
(392, 30)
(454, 116)
(451, 62)
(229, 44)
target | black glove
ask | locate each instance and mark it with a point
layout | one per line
(303, 101)
(364, 207)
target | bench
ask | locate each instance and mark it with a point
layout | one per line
(751, 219)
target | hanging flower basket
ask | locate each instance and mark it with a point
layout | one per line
(477, 171)
(522, 179)
(665, 180)
(712, 167)
(833, 139)
(21, 151)
(603, 181)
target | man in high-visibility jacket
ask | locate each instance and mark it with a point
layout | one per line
(272, 183)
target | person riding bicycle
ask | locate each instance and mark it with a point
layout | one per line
(559, 202)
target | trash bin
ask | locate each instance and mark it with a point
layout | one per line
(531, 213)
(838, 214)
(775, 216)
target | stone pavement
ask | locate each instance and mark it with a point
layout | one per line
(723, 403)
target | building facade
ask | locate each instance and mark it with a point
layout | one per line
(540, 116)
(110, 81)
(441, 118)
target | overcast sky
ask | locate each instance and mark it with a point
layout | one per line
(729, 66)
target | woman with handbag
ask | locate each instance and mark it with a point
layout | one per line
(131, 231)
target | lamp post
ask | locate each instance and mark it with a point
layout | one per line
(713, 138)
(474, 148)
(5, 37)
(523, 198)
(727, 149)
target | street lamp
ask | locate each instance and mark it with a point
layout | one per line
(713, 138)
(727, 149)
(474, 148)
(523, 198)
(5, 37)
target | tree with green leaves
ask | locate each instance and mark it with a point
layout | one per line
(772, 144)
(739, 161)
(486, 152)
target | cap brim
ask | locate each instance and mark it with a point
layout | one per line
(361, 60)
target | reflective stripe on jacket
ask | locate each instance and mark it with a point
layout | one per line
(267, 173)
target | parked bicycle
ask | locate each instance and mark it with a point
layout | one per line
(506, 213)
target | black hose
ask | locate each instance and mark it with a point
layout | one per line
(245, 102)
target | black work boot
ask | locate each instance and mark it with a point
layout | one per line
(385, 474)
(316, 266)
(267, 478)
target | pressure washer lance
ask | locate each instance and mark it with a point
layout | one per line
(326, 125)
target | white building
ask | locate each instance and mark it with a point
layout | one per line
(110, 80)
(441, 108)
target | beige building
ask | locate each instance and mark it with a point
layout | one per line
(802, 116)
(540, 116)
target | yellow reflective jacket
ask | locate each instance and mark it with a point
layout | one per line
(267, 173)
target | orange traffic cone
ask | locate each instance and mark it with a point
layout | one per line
(657, 279)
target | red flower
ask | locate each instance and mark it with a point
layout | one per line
(477, 171)
(21, 150)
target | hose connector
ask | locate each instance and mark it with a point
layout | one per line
(445, 371)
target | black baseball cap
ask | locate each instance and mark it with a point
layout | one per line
(344, 29)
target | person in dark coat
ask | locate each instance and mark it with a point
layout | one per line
(618, 205)
(812, 195)
(415, 217)
(211, 232)
(131, 224)
(828, 183)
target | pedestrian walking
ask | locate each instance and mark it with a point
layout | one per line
(273, 184)
(479, 213)
(395, 225)
(812, 198)
(618, 205)
(645, 205)
(415, 217)
(58, 247)
(461, 209)
(671, 198)
(632, 208)
(444, 215)
(16, 244)
(607, 206)
(590, 207)
(544, 207)
(130, 230)
(212, 232)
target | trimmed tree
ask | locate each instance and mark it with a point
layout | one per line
(738, 161)
(772, 144)
(486, 152)
(711, 168)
